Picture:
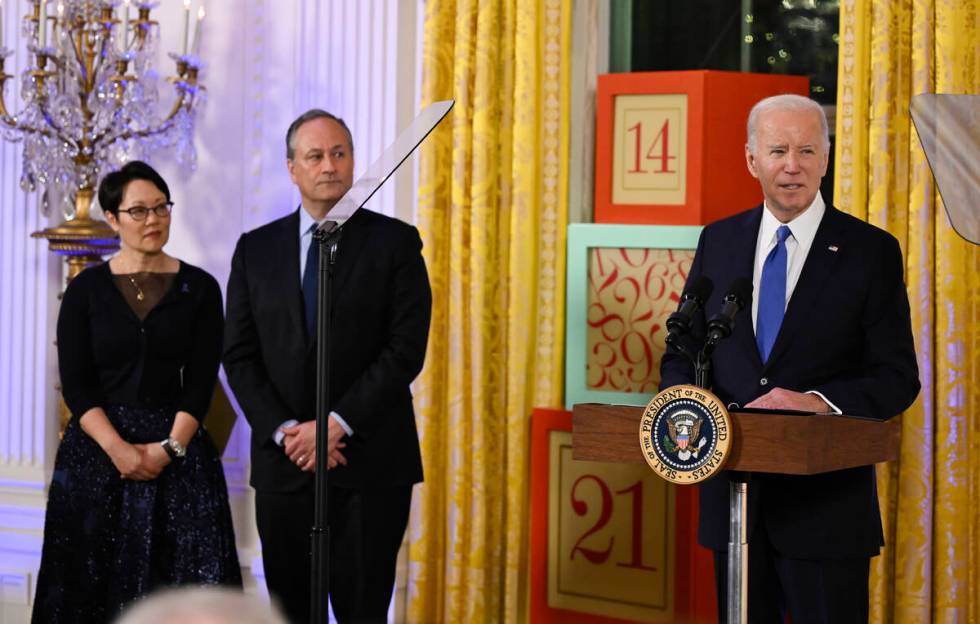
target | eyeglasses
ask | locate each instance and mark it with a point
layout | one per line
(139, 213)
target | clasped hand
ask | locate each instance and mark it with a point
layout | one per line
(300, 444)
(781, 398)
(140, 462)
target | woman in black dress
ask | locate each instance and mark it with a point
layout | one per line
(138, 497)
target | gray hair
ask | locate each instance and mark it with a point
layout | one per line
(310, 115)
(786, 102)
(201, 605)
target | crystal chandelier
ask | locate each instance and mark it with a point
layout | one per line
(90, 104)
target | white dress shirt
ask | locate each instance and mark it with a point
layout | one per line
(803, 229)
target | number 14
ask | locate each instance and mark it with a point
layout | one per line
(662, 139)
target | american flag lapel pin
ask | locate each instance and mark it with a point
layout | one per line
(833, 248)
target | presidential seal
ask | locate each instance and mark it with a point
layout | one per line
(685, 434)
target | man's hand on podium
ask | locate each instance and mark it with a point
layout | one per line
(780, 398)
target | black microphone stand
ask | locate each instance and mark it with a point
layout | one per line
(701, 360)
(738, 496)
(327, 237)
(738, 543)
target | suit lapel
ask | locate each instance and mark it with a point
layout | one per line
(744, 262)
(352, 242)
(286, 271)
(819, 265)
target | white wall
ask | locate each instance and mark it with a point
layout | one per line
(267, 62)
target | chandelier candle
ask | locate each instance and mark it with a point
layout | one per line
(43, 25)
(196, 46)
(187, 23)
(125, 26)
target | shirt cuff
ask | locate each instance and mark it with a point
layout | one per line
(278, 436)
(833, 407)
(343, 423)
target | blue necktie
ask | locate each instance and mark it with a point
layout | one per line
(310, 282)
(772, 295)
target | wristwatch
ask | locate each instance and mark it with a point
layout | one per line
(174, 448)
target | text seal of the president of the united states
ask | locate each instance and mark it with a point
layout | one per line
(685, 434)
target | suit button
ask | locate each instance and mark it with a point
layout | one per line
(763, 381)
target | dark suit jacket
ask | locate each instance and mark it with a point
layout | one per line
(847, 334)
(380, 322)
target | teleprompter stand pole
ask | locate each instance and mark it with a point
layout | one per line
(327, 237)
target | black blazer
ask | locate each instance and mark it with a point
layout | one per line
(380, 322)
(847, 334)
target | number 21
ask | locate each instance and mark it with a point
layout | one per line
(581, 507)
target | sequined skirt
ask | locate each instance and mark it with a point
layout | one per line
(108, 541)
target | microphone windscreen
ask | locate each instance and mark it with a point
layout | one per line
(741, 289)
(700, 289)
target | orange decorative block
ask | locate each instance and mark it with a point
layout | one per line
(670, 145)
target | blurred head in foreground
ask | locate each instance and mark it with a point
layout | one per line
(201, 605)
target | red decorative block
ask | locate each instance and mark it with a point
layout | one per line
(670, 146)
(691, 581)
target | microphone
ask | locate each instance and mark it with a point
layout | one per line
(739, 295)
(693, 299)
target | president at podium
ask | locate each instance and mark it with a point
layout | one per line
(828, 330)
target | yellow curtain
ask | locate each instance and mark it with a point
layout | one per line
(890, 51)
(492, 213)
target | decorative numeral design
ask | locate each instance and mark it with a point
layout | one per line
(649, 150)
(662, 140)
(581, 507)
(631, 294)
(636, 524)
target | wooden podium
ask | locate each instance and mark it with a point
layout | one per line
(761, 442)
(782, 443)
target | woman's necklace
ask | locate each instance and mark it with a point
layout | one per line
(139, 291)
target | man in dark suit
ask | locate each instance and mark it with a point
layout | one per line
(828, 331)
(380, 314)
